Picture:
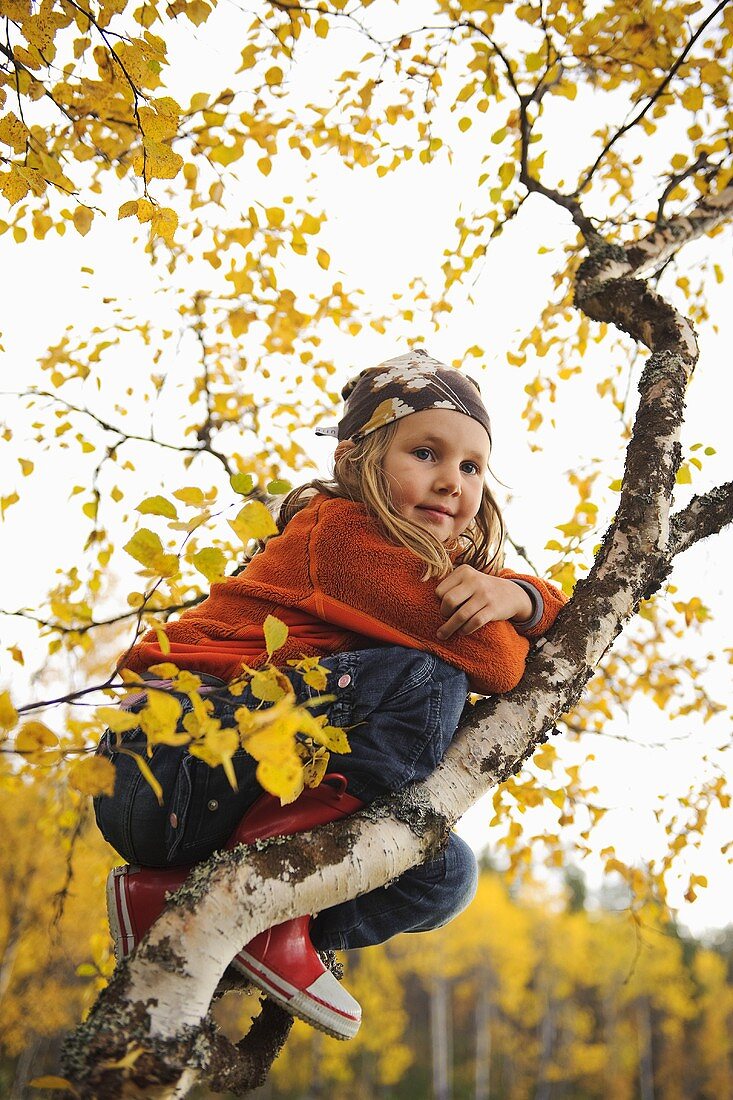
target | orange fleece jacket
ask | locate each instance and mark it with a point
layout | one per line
(339, 585)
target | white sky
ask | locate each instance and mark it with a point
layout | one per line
(380, 234)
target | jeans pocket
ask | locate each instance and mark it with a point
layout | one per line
(205, 808)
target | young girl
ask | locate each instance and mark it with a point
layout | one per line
(391, 574)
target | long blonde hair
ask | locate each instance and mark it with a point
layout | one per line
(358, 475)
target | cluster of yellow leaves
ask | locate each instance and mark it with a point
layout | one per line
(290, 744)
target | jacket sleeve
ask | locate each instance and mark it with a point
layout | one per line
(547, 600)
(368, 585)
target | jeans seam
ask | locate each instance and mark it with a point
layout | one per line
(127, 816)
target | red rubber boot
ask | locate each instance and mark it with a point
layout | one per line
(281, 961)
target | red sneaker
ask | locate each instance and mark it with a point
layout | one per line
(281, 961)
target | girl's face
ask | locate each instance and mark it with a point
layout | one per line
(436, 465)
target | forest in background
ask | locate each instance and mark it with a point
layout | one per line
(531, 993)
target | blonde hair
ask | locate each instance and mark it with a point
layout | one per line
(358, 475)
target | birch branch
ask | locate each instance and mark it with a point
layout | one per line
(704, 516)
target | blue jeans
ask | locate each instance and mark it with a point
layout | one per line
(400, 707)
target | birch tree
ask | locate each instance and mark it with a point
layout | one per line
(509, 73)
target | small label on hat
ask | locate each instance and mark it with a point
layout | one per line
(327, 431)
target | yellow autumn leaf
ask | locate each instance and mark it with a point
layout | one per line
(34, 739)
(127, 1061)
(163, 640)
(13, 132)
(14, 187)
(144, 210)
(324, 260)
(254, 521)
(331, 737)
(159, 719)
(157, 506)
(83, 218)
(692, 99)
(310, 224)
(313, 672)
(164, 221)
(285, 780)
(145, 547)
(118, 721)
(217, 749)
(243, 484)
(275, 216)
(26, 466)
(146, 773)
(166, 670)
(93, 775)
(8, 713)
(50, 1081)
(7, 502)
(276, 634)
(191, 494)
(274, 75)
(315, 767)
(266, 687)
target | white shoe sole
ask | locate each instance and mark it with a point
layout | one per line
(339, 1020)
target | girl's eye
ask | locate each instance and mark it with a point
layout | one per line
(472, 467)
(422, 453)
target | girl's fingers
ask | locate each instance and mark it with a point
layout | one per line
(453, 601)
(467, 616)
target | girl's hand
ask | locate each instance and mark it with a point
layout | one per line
(469, 599)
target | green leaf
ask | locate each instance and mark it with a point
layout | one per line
(242, 484)
(279, 486)
(211, 562)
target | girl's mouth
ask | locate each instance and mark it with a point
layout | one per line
(436, 512)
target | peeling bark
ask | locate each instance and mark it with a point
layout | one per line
(155, 1010)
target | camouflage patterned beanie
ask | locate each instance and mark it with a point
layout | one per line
(407, 384)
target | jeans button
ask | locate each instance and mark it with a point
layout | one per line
(212, 804)
(344, 681)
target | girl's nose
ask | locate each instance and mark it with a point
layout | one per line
(448, 480)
